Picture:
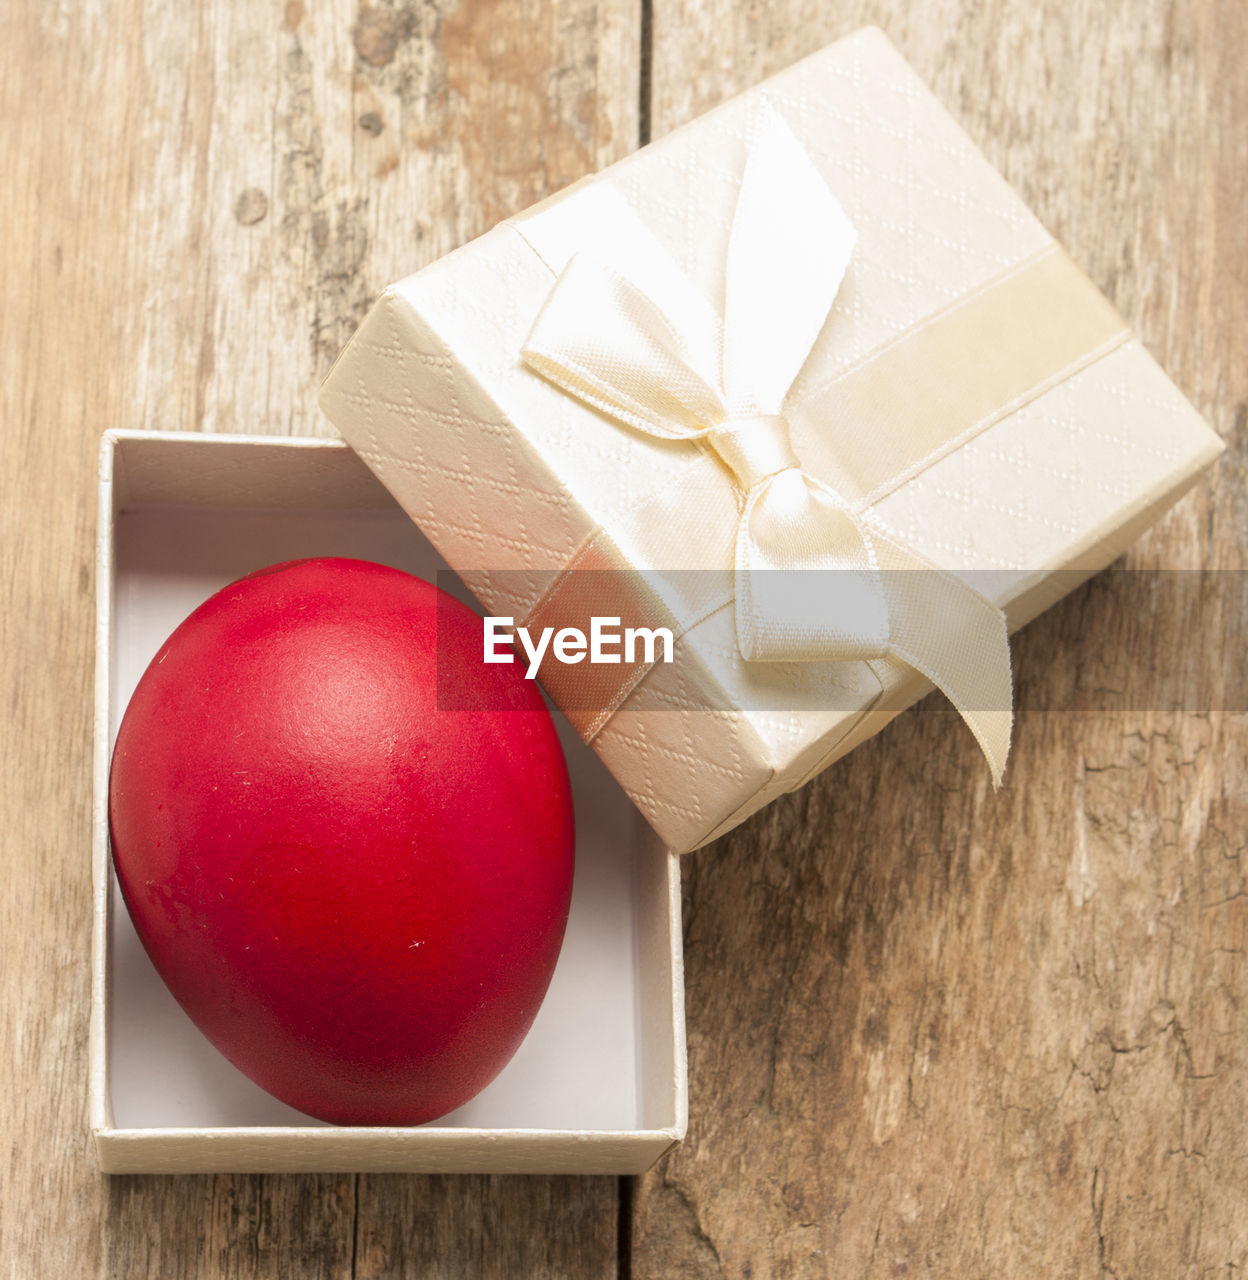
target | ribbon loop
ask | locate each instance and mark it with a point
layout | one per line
(754, 448)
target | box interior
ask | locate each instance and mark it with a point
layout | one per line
(191, 516)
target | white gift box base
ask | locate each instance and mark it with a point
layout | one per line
(599, 1084)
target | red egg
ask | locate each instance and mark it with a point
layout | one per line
(357, 895)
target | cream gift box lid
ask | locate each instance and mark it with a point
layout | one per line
(511, 478)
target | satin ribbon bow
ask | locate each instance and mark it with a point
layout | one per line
(815, 579)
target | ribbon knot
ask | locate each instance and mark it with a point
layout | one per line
(815, 579)
(754, 448)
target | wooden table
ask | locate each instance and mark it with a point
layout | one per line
(932, 1031)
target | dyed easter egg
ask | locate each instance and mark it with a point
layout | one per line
(356, 893)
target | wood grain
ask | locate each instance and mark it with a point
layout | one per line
(939, 1032)
(199, 202)
(487, 1228)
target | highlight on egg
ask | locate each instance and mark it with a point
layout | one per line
(358, 895)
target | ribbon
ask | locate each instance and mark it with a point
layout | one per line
(815, 579)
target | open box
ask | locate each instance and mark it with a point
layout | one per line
(598, 1086)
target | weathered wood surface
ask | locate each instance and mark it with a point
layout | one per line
(935, 1032)
(199, 201)
(932, 1031)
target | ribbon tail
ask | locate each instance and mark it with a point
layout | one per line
(814, 582)
(955, 637)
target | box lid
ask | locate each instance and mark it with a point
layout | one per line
(1029, 484)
